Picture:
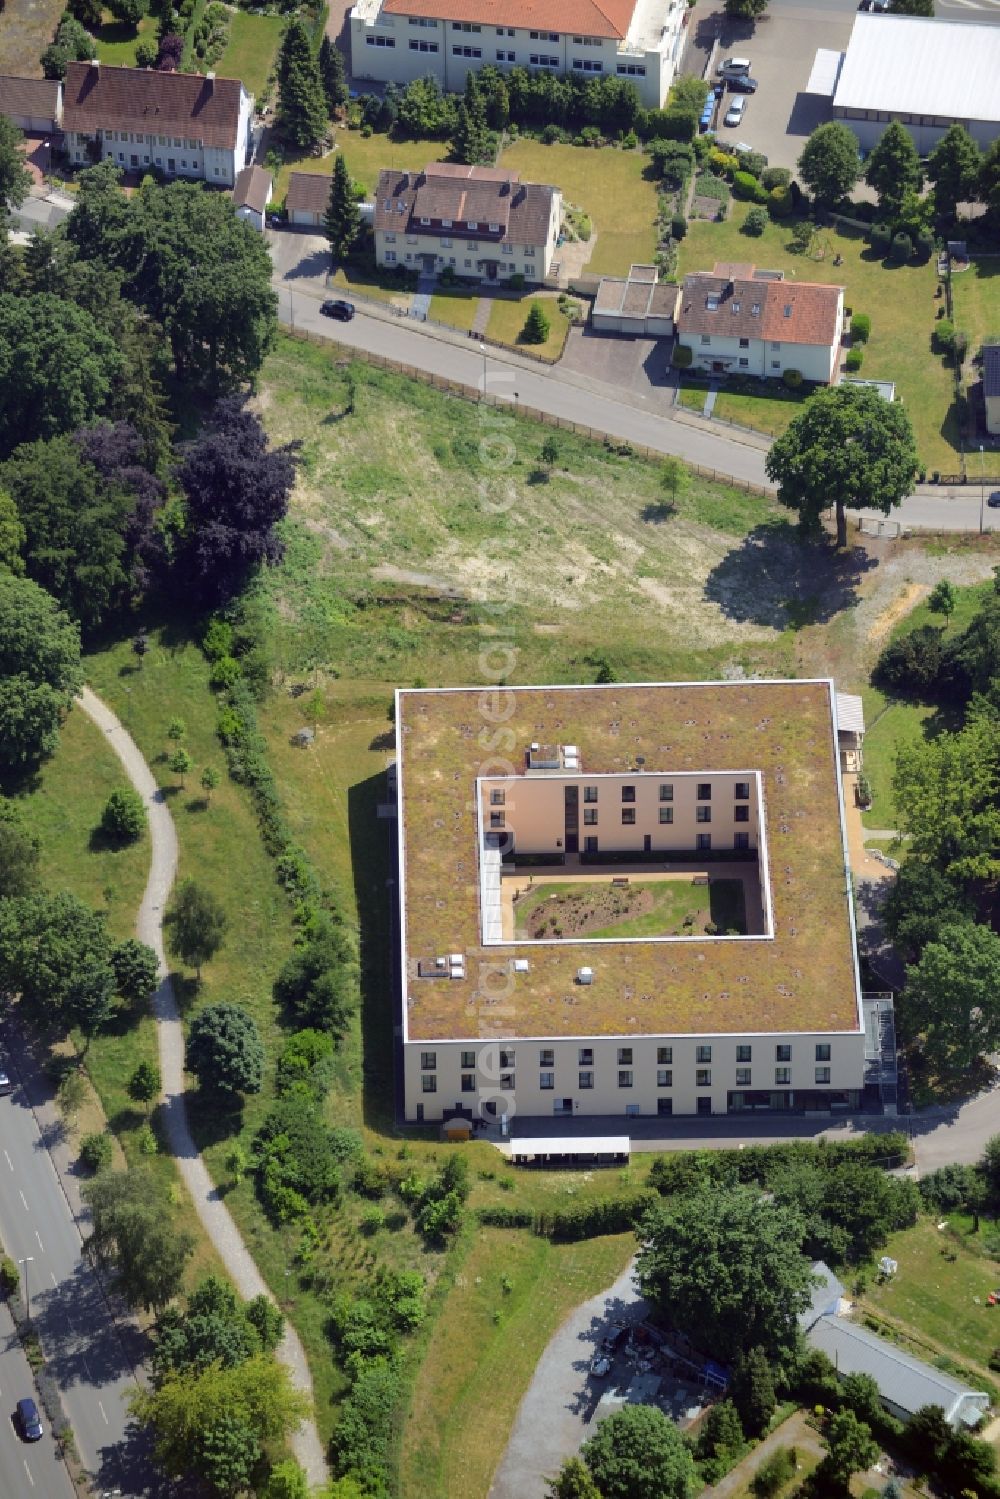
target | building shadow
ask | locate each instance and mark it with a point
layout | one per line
(776, 577)
(373, 845)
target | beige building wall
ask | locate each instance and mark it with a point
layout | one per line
(993, 413)
(394, 247)
(515, 1075)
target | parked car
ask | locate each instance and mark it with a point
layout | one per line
(733, 67)
(742, 84)
(5, 1085)
(879, 6)
(994, 500)
(343, 311)
(28, 1420)
(734, 114)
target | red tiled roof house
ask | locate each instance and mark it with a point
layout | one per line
(481, 222)
(185, 124)
(737, 320)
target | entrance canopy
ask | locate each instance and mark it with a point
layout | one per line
(584, 1148)
(825, 72)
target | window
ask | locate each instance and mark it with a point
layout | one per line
(741, 840)
(664, 1055)
(446, 223)
(703, 1054)
(506, 56)
(744, 364)
(497, 819)
(390, 256)
(666, 791)
(782, 1076)
(468, 1082)
(380, 41)
(586, 41)
(472, 224)
(587, 65)
(628, 817)
(776, 364)
(540, 60)
(590, 793)
(822, 1074)
(624, 1056)
(468, 263)
(467, 51)
(666, 814)
(422, 21)
(704, 791)
(776, 346)
(741, 791)
(590, 817)
(529, 251)
(741, 814)
(505, 31)
(585, 1080)
(497, 797)
(664, 1077)
(744, 1053)
(706, 338)
(546, 1081)
(703, 842)
(507, 1081)
(664, 1106)
(546, 1057)
(782, 1053)
(625, 1078)
(390, 238)
(823, 1051)
(411, 239)
(465, 26)
(743, 1077)
(544, 36)
(445, 243)
(744, 342)
(585, 1056)
(506, 249)
(423, 46)
(428, 1061)
(506, 1059)
(468, 1059)
(428, 1083)
(628, 793)
(590, 845)
(703, 1078)
(703, 814)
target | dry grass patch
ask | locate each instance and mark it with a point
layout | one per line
(26, 29)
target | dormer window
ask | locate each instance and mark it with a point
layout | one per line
(755, 310)
(736, 307)
(388, 205)
(494, 228)
(425, 221)
(446, 223)
(473, 224)
(788, 309)
(712, 303)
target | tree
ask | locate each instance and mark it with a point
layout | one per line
(851, 1447)
(746, 10)
(18, 853)
(176, 730)
(720, 1440)
(953, 166)
(829, 164)
(144, 1084)
(637, 1453)
(343, 216)
(472, 141)
(55, 953)
(129, 12)
(573, 1482)
(12, 534)
(893, 169)
(729, 1266)
(943, 599)
(196, 924)
(137, 971)
(332, 75)
(989, 177)
(209, 781)
(861, 1394)
(318, 983)
(71, 44)
(287, 1481)
(134, 1236)
(536, 325)
(39, 671)
(752, 1391)
(225, 1051)
(57, 368)
(236, 490)
(124, 815)
(302, 106)
(847, 445)
(15, 179)
(953, 996)
(912, 7)
(674, 478)
(180, 763)
(946, 794)
(216, 1422)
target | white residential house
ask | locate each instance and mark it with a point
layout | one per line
(184, 124)
(639, 40)
(252, 194)
(737, 320)
(481, 221)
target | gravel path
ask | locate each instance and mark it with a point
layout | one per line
(208, 1204)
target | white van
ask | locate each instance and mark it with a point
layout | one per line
(734, 114)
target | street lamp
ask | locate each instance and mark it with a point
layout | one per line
(28, 1260)
(982, 488)
(482, 350)
(291, 307)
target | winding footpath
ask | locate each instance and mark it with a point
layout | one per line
(215, 1217)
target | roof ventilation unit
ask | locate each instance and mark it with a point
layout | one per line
(585, 975)
(520, 965)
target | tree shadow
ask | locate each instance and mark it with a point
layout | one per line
(213, 1116)
(662, 510)
(776, 577)
(103, 842)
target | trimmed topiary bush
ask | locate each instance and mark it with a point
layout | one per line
(902, 247)
(682, 357)
(924, 244)
(95, 1152)
(861, 327)
(854, 360)
(772, 177)
(880, 238)
(792, 379)
(124, 816)
(678, 226)
(746, 186)
(779, 202)
(755, 222)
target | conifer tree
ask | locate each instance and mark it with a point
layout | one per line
(332, 75)
(343, 217)
(302, 110)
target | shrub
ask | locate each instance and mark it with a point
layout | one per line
(944, 336)
(584, 227)
(746, 186)
(880, 238)
(924, 244)
(792, 379)
(753, 162)
(772, 177)
(124, 815)
(505, 1215)
(779, 202)
(774, 1473)
(682, 357)
(10, 1276)
(372, 1220)
(861, 327)
(146, 53)
(536, 325)
(854, 360)
(95, 1152)
(912, 663)
(305, 1065)
(755, 222)
(678, 226)
(902, 247)
(515, 282)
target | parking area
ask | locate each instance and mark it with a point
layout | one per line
(782, 48)
(639, 366)
(300, 257)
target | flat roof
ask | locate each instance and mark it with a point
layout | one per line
(571, 1145)
(825, 72)
(914, 65)
(804, 979)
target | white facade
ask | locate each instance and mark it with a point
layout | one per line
(399, 48)
(173, 155)
(718, 353)
(432, 252)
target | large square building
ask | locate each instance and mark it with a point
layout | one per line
(625, 900)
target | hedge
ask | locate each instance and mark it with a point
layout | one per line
(746, 186)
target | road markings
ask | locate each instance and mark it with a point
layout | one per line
(23, 1199)
(28, 1471)
(100, 1407)
(39, 1238)
(56, 1284)
(7, 1158)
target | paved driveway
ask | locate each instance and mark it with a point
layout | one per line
(301, 258)
(641, 365)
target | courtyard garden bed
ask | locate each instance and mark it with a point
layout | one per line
(620, 908)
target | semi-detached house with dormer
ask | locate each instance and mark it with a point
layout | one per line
(478, 221)
(396, 41)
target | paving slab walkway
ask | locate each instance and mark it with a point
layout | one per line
(212, 1211)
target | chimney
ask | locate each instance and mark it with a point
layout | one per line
(95, 63)
(210, 80)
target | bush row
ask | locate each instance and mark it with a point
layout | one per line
(584, 1220)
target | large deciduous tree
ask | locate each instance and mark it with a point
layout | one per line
(893, 169)
(56, 954)
(638, 1453)
(953, 166)
(39, 671)
(237, 491)
(729, 1268)
(829, 164)
(952, 996)
(317, 984)
(302, 104)
(15, 179)
(57, 368)
(947, 794)
(18, 853)
(196, 924)
(225, 1051)
(846, 447)
(135, 1236)
(343, 216)
(746, 10)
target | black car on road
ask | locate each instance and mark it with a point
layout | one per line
(28, 1420)
(343, 311)
(742, 85)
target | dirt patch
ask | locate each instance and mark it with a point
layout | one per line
(26, 28)
(897, 610)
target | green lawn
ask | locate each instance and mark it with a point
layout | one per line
(938, 1297)
(373, 283)
(766, 413)
(676, 908)
(253, 46)
(507, 319)
(976, 297)
(609, 185)
(366, 157)
(456, 308)
(116, 39)
(692, 396)
(899, 299)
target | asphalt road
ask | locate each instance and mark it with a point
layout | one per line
(25, 1467)
(78, 1335)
